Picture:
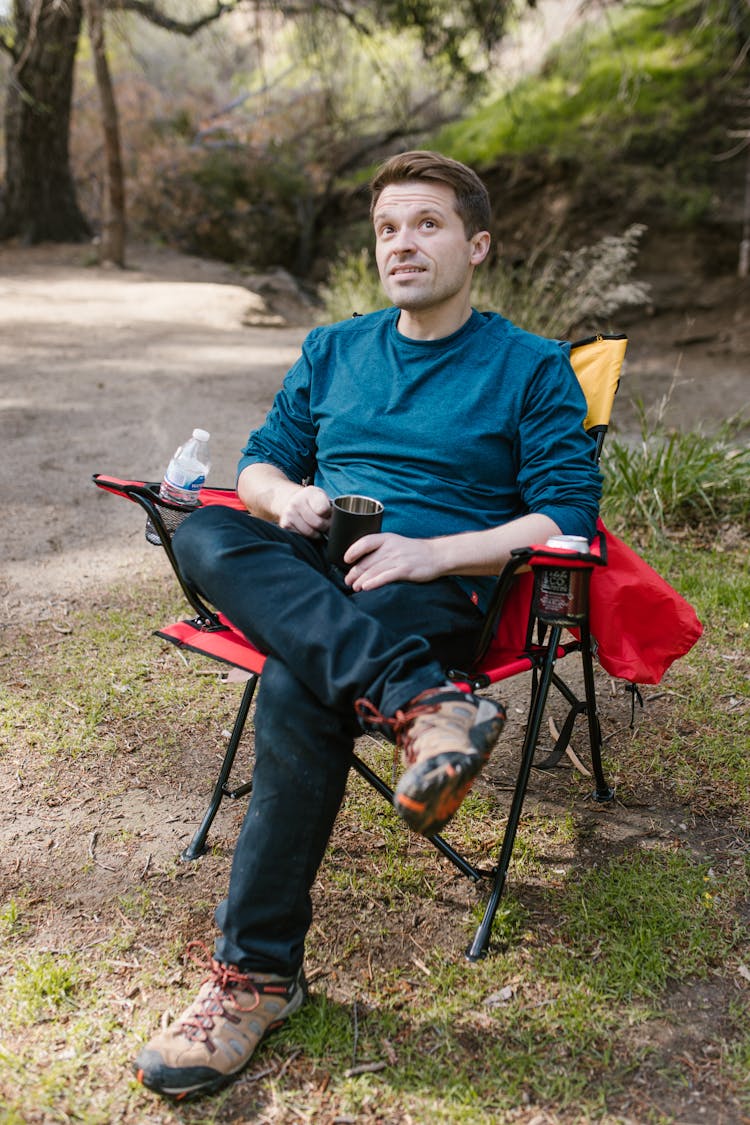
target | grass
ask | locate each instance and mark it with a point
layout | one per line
(599, 945)
(675, 479)
(616, 931)
(120, 692)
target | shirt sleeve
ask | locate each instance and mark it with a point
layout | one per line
(287, 438)
(557, 471)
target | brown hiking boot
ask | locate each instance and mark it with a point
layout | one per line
(446, 736)
(209, 1044)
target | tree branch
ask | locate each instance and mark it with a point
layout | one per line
(333, 7)
(149, 11)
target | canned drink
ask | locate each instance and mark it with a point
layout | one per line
(560, 593)
(569, 543)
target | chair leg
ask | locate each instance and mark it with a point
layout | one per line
(478, 947)
(603, 791)
(197, 846)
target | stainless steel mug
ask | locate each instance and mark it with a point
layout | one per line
(351, 518)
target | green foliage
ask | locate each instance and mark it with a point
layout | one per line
(226, 203)
(576, 290)
(41, 986)
(238, 161)
(11, 919)
(633, 94)
(695, 748)
(669, 481)
(644, 919)
(234, 149)
(455, 34)
(353, 286)
(712, 572)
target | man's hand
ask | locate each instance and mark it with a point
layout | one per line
(379, 559)
(308, 511)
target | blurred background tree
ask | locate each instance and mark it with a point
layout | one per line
(249, 136)
(42, 40)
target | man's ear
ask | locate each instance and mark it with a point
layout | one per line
(480, 246)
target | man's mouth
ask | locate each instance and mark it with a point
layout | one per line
(405, 271)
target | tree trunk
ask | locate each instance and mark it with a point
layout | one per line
(112, 247)
(743, 266)
(39, 200)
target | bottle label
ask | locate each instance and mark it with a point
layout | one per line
(182, 490)
(183, 481)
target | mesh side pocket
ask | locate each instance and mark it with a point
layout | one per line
(171, 518)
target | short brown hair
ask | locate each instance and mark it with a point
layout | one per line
(472, 198)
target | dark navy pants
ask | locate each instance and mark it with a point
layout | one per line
(327, 647)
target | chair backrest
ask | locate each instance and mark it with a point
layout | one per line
(597, 362)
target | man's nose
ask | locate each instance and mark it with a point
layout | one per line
(404, 240)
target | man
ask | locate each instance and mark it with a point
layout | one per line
(470, 432)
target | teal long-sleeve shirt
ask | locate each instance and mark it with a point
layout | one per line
(459, 434)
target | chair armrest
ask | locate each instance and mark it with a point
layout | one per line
(165, 517)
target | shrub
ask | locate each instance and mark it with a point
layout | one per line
(669, 481)
(353, 287)
(573, 289)
(226, 203)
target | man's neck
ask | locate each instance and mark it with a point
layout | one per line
(433, 324)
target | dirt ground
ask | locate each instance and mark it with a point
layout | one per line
(105, 371)
(109, 372)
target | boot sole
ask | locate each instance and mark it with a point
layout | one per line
(429, 794)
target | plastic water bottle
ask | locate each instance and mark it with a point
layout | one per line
(185, 476)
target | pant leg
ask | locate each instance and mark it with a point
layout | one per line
(303, 750)
(328, 647)
(277, 587)
(302, 759)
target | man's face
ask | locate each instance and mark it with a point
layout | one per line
(424, 257)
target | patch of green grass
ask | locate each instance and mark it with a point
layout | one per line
(12, 922)
(96, 687)
(696, 743)
(676, 480)
(136, 904)
(57, 1078)
(545, 1014)
(585, 956)
(714, 575)
(41, 986)
(456, 1036)
(738, 1053)
(645, 919)
(324, 1030)
(509, 922)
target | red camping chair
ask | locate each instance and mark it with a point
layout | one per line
(539, 615)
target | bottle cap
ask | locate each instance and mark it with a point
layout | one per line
(201, 435)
